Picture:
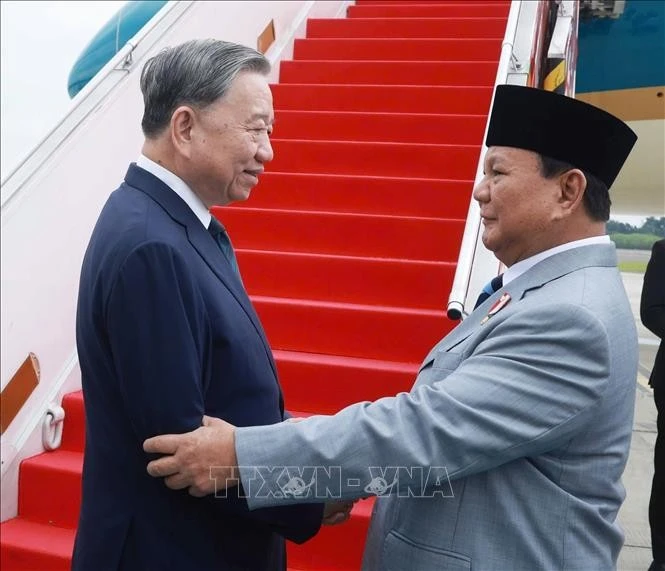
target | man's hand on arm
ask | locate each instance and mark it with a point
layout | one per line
(203, 460)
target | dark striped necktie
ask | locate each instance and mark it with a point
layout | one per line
(493, 286)
(220, 235)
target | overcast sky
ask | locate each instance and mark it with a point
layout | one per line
(40, 43)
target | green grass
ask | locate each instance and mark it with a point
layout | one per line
(633, 267)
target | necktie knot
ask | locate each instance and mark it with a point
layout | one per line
(215, 227)
(493, 286)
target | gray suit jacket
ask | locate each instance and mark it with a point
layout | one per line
(530, 412)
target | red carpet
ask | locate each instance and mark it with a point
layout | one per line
(349, 243)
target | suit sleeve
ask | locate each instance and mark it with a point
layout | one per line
(652, 305)
(513, 397)
(159, 334)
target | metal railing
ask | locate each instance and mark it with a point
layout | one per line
(526, 53)
(460, 289)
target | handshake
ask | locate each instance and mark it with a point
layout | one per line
(187, 459)
(337, 512)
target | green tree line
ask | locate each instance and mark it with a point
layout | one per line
(631, 237)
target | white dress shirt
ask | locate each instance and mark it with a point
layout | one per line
(179, 187)
(522, 266)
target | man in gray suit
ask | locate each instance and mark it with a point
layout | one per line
(508, 451)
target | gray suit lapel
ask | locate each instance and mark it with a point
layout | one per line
(554, 267)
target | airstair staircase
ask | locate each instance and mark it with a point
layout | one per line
(349, 244)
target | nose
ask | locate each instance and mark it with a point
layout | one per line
(481, 191)
(264, 153)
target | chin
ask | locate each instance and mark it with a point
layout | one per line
(491, 245)
(241, 195)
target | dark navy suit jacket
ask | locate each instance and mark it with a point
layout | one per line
(165, 334)
(652, 309)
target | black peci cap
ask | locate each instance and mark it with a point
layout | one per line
(562, 128)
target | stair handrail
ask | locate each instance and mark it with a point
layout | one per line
(524, 54)
(461, 281)
(52, 426)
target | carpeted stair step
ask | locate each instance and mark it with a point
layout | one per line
(347, 279)
(417, 10)
(488, 28)
(351, 330)
(478, 73)
(383, 98)
(421, 197)
(60, 472)
(445, 49)
(325, 384)
(380, 127)
(431, 239)
(371, 158)
(33, 546)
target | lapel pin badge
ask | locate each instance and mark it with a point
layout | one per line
(499, 304)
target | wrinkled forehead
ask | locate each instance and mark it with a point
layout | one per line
(511, 155)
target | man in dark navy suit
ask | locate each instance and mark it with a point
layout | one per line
(166, 332)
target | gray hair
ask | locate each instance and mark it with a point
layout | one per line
(196, 73)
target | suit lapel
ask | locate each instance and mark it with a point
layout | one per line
(549, 269)
(205, 245)
(200, 240)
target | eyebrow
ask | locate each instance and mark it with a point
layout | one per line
(490, 163)
(266, 118)
(493, 159)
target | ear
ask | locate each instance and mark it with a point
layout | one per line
(572, 184)
(181, 125)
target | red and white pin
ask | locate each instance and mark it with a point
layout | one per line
(499, 304)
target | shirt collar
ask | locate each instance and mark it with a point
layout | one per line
(522, 266)
(177, 185)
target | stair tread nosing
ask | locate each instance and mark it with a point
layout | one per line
(407, 49)
(387, 159)
(384, 281)
(353, 72)
(387, 98)
(428, 10)
(419, 128)
(345, 234)
(437, 198)
(38, 537)
(361, 331)
(345, 362)
(490, 27)
(64, 461)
